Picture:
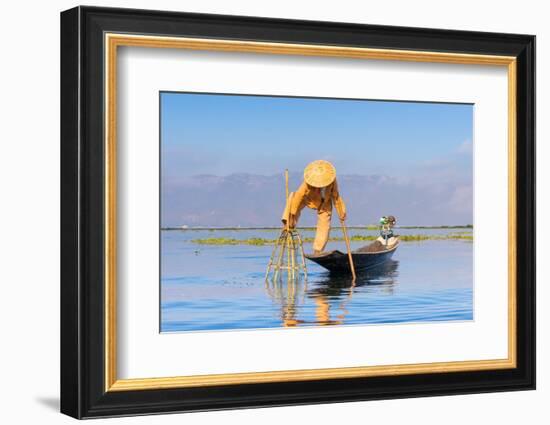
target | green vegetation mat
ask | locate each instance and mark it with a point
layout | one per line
(357, 238)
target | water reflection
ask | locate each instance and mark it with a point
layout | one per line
(331, 293)
(223, 287)
(288, 293)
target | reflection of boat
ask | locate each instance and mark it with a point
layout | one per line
(331, 294)
(334, 292)
(337, 261)
(332, 284)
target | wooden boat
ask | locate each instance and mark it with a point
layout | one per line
(337, 261)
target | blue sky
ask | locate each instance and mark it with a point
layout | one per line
(223, 157)
(225, 134)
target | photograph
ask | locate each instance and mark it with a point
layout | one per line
(285, 211)
(263, 210)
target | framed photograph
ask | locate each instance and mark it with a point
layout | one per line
(261, 212)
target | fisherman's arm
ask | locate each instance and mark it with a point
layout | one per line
(294, 205)
(297, 204)
(339, 203)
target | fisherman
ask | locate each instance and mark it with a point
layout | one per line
(319, 191)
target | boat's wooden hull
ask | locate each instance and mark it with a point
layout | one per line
(338, 262)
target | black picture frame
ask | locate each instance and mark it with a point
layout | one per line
(83, 392)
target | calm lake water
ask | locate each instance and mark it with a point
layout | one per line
(220, 287)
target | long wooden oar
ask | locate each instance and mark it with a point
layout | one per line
(350, 257)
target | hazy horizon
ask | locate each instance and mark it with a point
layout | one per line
(223, 158)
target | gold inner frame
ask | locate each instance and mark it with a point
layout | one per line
(113, 41)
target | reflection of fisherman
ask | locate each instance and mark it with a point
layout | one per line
(332, 295)
(319, 191)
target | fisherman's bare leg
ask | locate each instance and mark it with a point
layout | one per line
(323, 231)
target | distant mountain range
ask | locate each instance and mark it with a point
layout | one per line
(250, 200)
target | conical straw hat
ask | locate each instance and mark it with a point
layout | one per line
(319, 173)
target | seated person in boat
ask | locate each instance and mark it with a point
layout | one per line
(386, 231)
(319, 191)
(386, 239)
